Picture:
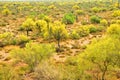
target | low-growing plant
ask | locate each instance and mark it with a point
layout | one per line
(41, 16)
(83, 31)
(69, 18)
(100, 28)
(103, 22)
(52, 7)
(95, 19)
(6, 12)
(33, 54)
(114, 30)
(92, 29)
(21, 39)
(116, 13)
(74, 35)
(95, 9)
(75, 7)
(115, 21)
(7, 39)
(79, 12)
(8, 73)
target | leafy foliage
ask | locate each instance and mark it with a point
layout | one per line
(6, 39)
(74, 35)
(83, 31)
(69, 18)
(28, 25)
(114, 30)
(33, 54)
(6, 12)
(59, 32)
(116, 13)
(40, 25)
(95, 19)
(103, 22)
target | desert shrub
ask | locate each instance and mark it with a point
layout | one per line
(116, 13)
(75, 7)
(79, 12)
(47, 19)
(6, 39)
(51, 7)
(118, 21)
(83, 31)
(115, 22)
(74, 35)
(46, 71)
(33, 54)
(103, 22)
(92, 29)
(6, 12)
(84, 22)
(95, 9)
(41, 16)
(114, 30)
(21, 39)
(100, 28)
(103, 9)
(95, 19)
(8, 73)
(69, 18)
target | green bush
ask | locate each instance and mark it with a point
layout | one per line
(95, 19)
(92, 29)
(69, 18)
(33, 54)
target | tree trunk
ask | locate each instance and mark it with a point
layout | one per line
(104, 71)
(27, 32)
(58, 45)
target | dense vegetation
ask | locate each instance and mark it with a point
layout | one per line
(60, 40)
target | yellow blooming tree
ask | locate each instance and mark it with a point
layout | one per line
(59, 32)
(28, 25)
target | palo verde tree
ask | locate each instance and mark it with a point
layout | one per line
(104, 54)
(40, 25)
(48, 29)
(28, 25)
(59, 32)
